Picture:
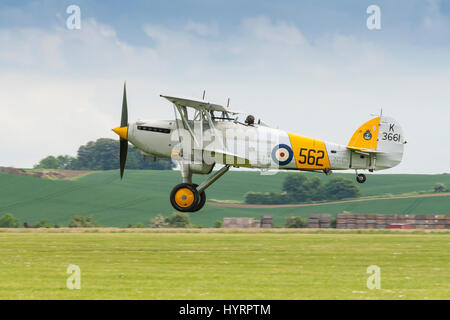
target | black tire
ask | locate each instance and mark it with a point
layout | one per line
(201, 201)
(361, 178)
(188, 203)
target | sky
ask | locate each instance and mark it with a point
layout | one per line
(309, 67)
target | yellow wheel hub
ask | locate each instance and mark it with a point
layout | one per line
(184, 197)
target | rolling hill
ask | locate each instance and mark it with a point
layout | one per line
(143, 194)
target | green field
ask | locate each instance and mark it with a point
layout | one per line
(219, 265)
(143, 194)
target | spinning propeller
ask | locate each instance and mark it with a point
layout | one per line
(122, 131)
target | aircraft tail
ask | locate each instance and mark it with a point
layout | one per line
(382, 137)
(366, 137)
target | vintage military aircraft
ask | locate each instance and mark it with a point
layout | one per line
(208, 134)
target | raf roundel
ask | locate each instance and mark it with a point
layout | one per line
(282, 154)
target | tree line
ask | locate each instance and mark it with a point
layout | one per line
(102, 154)
(298, 188)
(76, 221)
(175, 220)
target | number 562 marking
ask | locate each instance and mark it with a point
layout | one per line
(311, 157)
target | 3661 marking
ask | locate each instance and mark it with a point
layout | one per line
(391, 136)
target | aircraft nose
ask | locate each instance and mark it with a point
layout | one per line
(121, 132)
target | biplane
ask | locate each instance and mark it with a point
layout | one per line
(203, 135)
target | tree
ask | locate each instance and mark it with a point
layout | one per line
(49, 162)
(65, 162)
(8, 221)
(266, 198)
(179, 220)
(315, 187)
(440, 187)
(159, 222)
(103, 154)
(254, 197)
(341, 188)
(218, 224)
(82, 222)
(136, 225)
(333, 222)
(295, 222)
(59, 162)
(42, 223)
(297, 188)
(276, 198)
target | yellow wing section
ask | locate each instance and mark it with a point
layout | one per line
(366, 137)
(309, 154)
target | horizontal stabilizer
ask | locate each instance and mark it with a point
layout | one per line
(363, 150)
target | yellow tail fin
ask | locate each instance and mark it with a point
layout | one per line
(366, 137)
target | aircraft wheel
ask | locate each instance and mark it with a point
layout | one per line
(184, 197)
(361, 178)
(201, 200)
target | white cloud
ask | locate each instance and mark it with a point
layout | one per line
(66, 90)
(434, 22)
(282, 33)
(18, 47)
(202, 29)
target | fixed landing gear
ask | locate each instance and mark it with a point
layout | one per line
(190, 197)
(201, 201)
(361, 178)
(186, 198)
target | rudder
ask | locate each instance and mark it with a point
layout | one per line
(391, 142)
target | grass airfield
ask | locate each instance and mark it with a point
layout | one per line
(143, 194)
(223, 264)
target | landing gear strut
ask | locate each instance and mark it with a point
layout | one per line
(361, 178)
(188, 197)
(201, 200)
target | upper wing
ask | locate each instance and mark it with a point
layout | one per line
(198, 104)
